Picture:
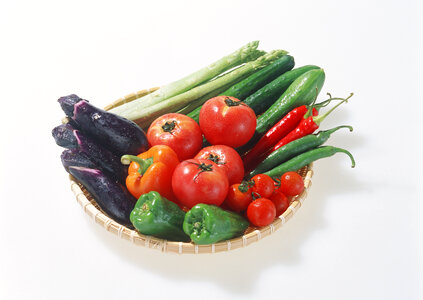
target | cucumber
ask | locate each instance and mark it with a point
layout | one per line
(301, 92)
(255, 81)
(264, 97)
(258, 79)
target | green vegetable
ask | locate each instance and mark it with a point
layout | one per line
(262, 99)
(305, 158)
(301, 92)
(181, 100)
(255, 81)
(155, 215)
(208, 224)
(294, 148)
(244, 54)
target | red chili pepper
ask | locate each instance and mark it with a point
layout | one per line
(278, 131)
(306, 126)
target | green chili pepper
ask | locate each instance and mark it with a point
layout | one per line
(155, 215)
(294, 148)
(305, 158)
(208, 224)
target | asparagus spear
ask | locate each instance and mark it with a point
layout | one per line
(181, 100)
(244, 54)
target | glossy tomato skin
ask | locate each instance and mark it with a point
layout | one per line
(192, 184)
(238, 200)
(224, 122)
(179, 132)
(261, 212)
(292, 184)
(281, 202)
(227, 159)
(264, 185)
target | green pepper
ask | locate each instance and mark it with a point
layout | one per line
(208, 224)
(155, 215)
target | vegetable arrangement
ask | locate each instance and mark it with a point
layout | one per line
(205, 157)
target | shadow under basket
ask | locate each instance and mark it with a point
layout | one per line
(251, 235)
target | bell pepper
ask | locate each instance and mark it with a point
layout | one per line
(208, 224)
(155, 215)
(151, 171)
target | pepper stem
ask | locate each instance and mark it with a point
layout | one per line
(143, 163)
(319, 119)
(347, 153)
(330, 131)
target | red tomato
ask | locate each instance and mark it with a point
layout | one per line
(227, 121)
(179, 132)
(263, 185)
(280, 201)
(292, 184)
(199, 181)
(238, 198)
(227, 159)
(261, 212)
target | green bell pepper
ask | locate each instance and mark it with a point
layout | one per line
(155, 215)
(208, 224)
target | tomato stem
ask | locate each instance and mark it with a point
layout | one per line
(169, 126)
(229, 102)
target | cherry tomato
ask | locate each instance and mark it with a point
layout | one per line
(263, 185)
(239, 197)
(199, 181)
(292, 184)
(179, 132)
(261, 212)
(227, 121)
(281, 202)
(227, 159)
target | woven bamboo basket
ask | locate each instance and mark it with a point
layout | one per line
(251, 235)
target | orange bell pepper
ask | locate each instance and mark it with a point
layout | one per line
(151, 171)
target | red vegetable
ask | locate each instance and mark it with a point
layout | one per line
(262, 185)
(227, 121)
(277, 132)
(261, 212)
(239, 197)
(281, 202)
(179, 132)
(292, 184)
(199, 181)
(306, 126)
(227, 159)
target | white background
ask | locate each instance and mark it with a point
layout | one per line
(358, 235)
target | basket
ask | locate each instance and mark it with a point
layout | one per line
(251, 235)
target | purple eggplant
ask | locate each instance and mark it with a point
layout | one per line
(67, 103)
(103, 158)
(76, 158)
(68, 137)
(112, 197)
(64, 136)
(118, 134)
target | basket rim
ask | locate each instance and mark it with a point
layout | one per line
(90, 207)
(253, 234)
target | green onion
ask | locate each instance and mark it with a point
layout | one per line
(246, 53)
(177, 102)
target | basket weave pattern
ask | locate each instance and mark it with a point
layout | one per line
(252, 234)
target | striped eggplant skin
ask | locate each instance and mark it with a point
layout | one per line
(112, 197)
(118, 134)
(64, 136)
(76, 158)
